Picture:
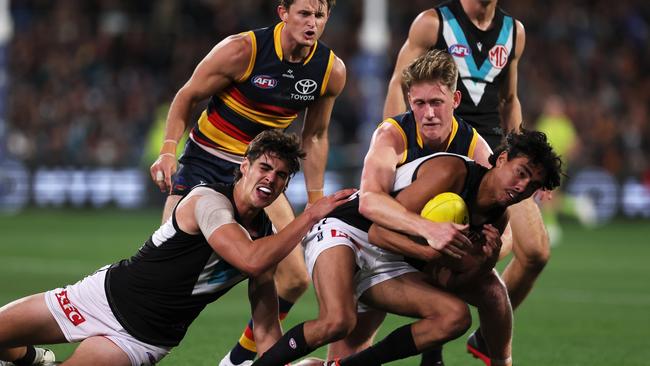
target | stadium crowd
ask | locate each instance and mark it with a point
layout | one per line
(87, 78)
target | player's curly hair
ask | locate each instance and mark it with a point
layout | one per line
(434, 66)
(535, 146)
(330, 3)
(285, 146)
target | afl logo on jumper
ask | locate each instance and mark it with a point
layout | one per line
(304, 87)
(264, 82)
(498, 56)
(459, 50)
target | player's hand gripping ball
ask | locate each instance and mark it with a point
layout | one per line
(448, 207)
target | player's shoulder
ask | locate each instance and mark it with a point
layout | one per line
(426, 20)
(338, 76)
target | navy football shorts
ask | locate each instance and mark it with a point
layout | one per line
(198, 166)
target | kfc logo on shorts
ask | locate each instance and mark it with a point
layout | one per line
(459, 50)
(337, 234)
(264, 82)
(498, 56)
(71, 312)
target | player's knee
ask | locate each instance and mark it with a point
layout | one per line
(453, 321)
(492, 292)
(294, 286)
(338, 326)
(535, 260)
(457, 321)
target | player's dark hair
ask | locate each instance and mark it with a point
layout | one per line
(435, 66)
(534, 145)
(284, 146)
(330, 3)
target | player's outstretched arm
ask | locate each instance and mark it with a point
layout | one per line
(422, 36)
(253, 257)
(315, 141)
(225, 63)
(401, 244)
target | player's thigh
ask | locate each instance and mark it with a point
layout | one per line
(411, 295)
(98, 351)
(333, 278)
(530, 239)
(280, 212)
(28, 321)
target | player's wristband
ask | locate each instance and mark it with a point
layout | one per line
(168, 154)
(314, 195)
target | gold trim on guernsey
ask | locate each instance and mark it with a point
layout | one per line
(328, 71)
(247, 343)
(277, 44)
(251, 62)
(472, 145)
(454, 130)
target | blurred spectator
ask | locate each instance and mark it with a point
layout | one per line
(86, 78)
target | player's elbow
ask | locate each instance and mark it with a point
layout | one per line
(366, 206)
(254, 268)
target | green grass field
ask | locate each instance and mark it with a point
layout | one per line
(590, 307)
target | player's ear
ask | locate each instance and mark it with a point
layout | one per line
(457, 98)
(244, 166)
(283, 13)
(502, 158)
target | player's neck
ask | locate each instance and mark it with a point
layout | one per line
(291, 50)
(485, 199)
(243, 205)
(481, 13)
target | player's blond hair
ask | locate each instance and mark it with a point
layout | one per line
(330, 3)
(435, 66)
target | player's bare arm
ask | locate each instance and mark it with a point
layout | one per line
(315, 141)
(422, 36)
(509, 105)
(225, 63)
(264, 309)
(399, 243)
(377, 178)
(234, 244)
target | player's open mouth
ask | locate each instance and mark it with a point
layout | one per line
(310, 34)
(266, 191)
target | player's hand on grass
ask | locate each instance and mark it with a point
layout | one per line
(162, 170)
(325, 205)
(448, 238)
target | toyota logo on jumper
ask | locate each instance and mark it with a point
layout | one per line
(305, 87)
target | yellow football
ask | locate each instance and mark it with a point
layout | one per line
(446, 207)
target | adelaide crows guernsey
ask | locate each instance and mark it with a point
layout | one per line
(462, 140)
(269, 95)
(157, 293)
(483, 59)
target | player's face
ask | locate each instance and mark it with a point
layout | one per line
(517, 179)
(305, 20)
(433, 106)
(264, 179)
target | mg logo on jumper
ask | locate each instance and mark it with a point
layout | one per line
(264, 82)
(498, 56)
(306, 86)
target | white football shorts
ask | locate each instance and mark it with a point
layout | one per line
(376, 265)
(82, 311)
